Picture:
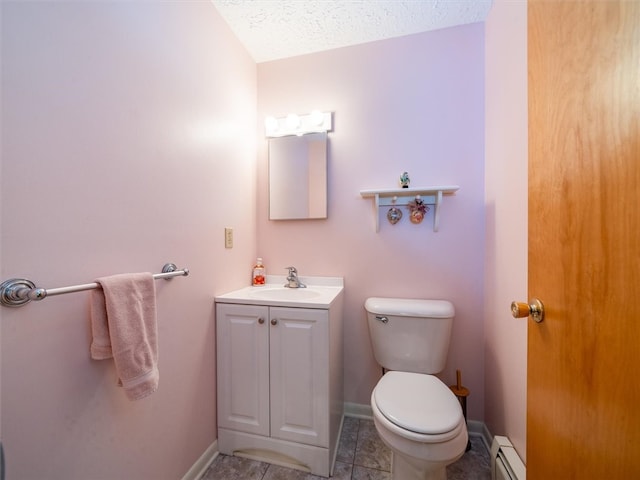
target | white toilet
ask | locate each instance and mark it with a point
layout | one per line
(416, 415)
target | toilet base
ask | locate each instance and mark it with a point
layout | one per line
(402, 468)
(412, 459)
(419, 456)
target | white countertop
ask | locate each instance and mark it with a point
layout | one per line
(321, 292)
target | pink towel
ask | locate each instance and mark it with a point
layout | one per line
(124, 326)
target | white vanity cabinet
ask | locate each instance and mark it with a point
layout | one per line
(272, 371)
(280, 392)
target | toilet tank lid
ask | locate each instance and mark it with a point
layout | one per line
(409, 307)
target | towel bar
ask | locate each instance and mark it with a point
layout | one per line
(16, 292)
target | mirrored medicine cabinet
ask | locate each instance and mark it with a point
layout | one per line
(298, 177)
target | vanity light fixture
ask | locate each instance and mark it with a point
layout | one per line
(293, 124)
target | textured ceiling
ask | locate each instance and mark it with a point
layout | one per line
(273, 29)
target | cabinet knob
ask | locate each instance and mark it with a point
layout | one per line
(274, 321)
(261, 320)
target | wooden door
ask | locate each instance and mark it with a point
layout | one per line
(242, 343)
(583, 400)
(300, 375)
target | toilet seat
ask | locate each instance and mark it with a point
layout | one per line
(418, 403)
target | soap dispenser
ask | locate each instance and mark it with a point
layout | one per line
(259, 274)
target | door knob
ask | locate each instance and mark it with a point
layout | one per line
(274, 321)
(535, 308)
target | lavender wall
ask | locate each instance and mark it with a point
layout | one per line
(506, 229)
(414, 103)
(128, 140)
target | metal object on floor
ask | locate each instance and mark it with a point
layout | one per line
(462, 393)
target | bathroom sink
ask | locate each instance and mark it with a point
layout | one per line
(321, 292)
(287, 294)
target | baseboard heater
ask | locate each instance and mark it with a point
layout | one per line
(505, 462)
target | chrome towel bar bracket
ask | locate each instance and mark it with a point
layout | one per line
(16, 292)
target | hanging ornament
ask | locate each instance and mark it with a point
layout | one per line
(417, 210)
(394, 214)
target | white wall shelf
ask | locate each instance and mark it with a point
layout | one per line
(383, 197)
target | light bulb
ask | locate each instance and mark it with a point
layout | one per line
(271, 124)
(317, 118)
(293, 121)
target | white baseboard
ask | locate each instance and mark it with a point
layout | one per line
(477, 428)
(197, 469)
(358, 410)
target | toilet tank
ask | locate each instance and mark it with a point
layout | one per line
(410, 335)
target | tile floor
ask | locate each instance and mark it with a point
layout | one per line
(361, 456)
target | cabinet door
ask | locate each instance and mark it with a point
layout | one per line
(242, 339)
(300, 375)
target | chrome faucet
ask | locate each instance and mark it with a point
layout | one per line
(292, 279)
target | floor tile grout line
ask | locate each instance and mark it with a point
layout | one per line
(355, 451)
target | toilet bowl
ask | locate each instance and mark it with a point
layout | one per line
(418, 420)
(415, 414)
